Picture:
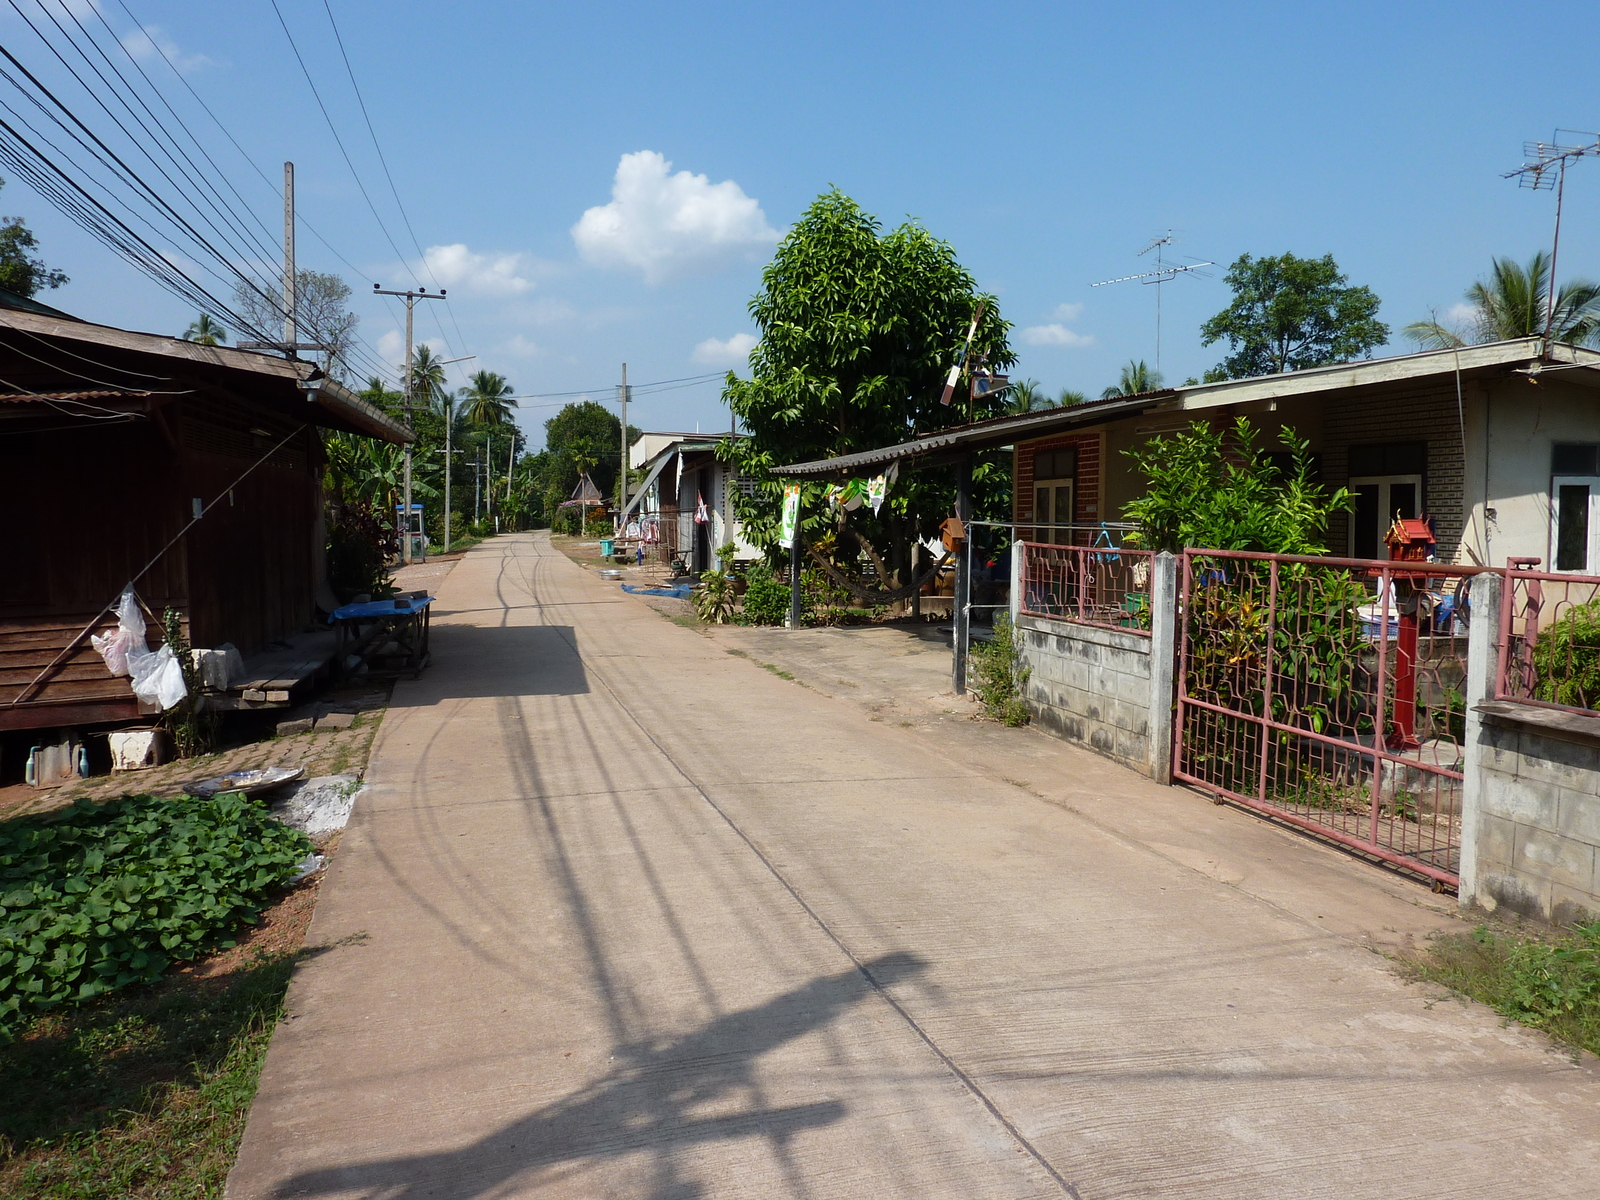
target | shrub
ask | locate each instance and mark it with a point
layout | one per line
(111, 895)
(1566, 659)
(999, 675)
(766, 599)
(359, 548)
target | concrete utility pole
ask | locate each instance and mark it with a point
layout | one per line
(411, 298)
(288, 254)
(624, 469)
(449, 426)
(289, 345)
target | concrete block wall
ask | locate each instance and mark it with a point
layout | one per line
(1107, 689)
(1090, 686)
(1538, 817)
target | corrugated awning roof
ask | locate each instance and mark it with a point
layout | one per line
(980, 435)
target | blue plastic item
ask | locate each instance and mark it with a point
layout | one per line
(380, 608)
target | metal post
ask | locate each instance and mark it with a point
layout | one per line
(794, 577)
(289, 333)
(623, 468)
(449, 420)
(963, 588)
(405, 512)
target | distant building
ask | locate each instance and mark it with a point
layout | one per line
(683, 509)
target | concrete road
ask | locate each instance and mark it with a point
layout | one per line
(624, 915)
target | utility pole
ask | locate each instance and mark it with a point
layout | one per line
(623, 476)
(449, 426)
(290, 344)
(411, 298)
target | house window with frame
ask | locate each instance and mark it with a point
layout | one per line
(1387, 482)
(1575, 506)
(1055, 474)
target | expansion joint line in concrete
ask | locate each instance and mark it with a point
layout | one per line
(950, 1065)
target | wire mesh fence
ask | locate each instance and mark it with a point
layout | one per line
(1330, 693)
(1103, 587)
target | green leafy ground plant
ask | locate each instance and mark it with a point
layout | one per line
(1550, 983)
(111, 895)
(1566, 659)
(999, 674)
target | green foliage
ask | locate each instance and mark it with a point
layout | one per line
(713, 597)
(766, 598)
(581, 437)
(1136, 379)
(193, 729)
(1514, 302)
(488, 400)
(111, 895)
(858, 329)
(1566, 659)
(1550, 983)
(204, 331)
(999, 674)
(1203, 492)
(21, 271)
(1290, 313)
(360, 544)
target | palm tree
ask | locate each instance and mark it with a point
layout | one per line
(487, 399)
(1135, 379)
(427, 376)
(1069, 397)
(1514, 302)
(205, 331)
(1025, 395)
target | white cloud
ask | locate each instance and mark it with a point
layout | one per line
(1067, 312)
(1055, 335)
(735, 352)
(392, 346)
(521, 347)
(664, 225)
(148, 43)
(455, 266)
(1461, 314)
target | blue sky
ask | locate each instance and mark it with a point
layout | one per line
(531, 143)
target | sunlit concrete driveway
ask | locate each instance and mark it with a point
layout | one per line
(626, 916)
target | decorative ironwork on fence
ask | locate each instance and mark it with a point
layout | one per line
(1103, 587)
(1549, 647)
(1329, 693)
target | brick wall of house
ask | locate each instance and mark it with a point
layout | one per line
(1424, 416)
(1086, 496)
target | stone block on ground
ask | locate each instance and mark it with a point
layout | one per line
(336, 720)
(299, 725)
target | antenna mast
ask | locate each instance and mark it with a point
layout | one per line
(1542, 158)
(1164, 273)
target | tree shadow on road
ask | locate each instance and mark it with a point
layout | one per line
(663, 1096)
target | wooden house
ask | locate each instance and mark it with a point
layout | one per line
(111, 444)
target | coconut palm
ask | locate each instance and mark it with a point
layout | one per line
(1136, 378)
(205, 331)
(487, 399)
(427, 376)
(1025, 395)
(1514, 302)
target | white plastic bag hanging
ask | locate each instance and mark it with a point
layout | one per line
(157, 676)
(128, 635)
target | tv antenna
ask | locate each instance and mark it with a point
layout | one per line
(1542, 160)
(1165, 272)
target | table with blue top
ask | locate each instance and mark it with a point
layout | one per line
(401, 622)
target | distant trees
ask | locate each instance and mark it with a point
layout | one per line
(1027, 396)
(322, 314)
(205, 332)
(1136, 378)
(1514, 302)
(21, 271)
(1291, 313)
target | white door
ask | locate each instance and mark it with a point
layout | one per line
(1575, 523)
(1379, 499)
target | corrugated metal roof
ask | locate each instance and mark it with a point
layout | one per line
(979, 435)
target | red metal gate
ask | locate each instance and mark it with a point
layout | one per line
(1329, 693)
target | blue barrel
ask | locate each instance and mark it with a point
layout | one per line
(608, 547)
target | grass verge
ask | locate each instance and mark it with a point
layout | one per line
(1548, 981)
(143, 1093)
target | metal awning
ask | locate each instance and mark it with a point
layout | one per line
(644, 487)
(947, 445)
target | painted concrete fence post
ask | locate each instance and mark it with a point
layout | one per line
(1487, 595)
(1018, 558)
(1163, 662)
